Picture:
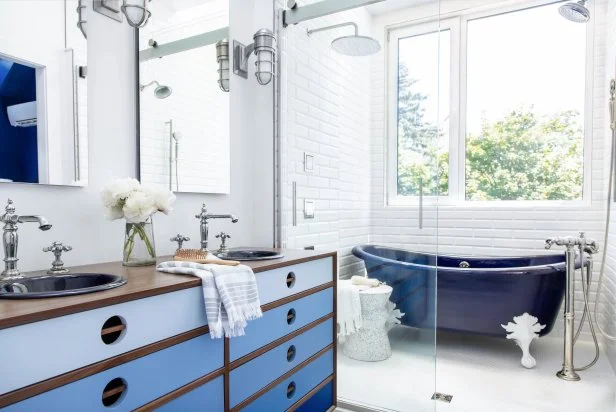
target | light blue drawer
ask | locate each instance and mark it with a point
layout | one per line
(275, 324)
(146, 379)
(75, 340)
(259, 372)
(209, 397)
(286, 281)
(285, 394)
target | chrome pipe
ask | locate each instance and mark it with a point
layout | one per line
(568, 371)
(294, 206)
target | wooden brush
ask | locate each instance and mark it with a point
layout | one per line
(200, 256)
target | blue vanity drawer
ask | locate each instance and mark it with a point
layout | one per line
(281, 321)
(320, 401)
(291, 390)
(75, 340)
(209, 397)
(286, 281)
(145, 379)
(259, 372)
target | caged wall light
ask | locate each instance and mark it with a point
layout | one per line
(82, 21)
(222, 57)
(264, 48)
(136, 11)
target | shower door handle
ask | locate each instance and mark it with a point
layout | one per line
(421, 203)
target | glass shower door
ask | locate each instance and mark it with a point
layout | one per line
(373, 133)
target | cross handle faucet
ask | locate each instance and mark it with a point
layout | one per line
(57, 266)
(180, 239)
(10, 238)
(204, 218)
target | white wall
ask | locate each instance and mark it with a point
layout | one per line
(326, 113)
(77, 214)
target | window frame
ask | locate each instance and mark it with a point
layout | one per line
(457, 23)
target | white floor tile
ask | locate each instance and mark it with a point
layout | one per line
(482, 374)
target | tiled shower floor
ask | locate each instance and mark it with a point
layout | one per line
(482, 374)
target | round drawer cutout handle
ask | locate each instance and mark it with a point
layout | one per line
(291, 280)
(291, 353)
(113, 330)
(291, 390)
(291, 315)
(114, 392)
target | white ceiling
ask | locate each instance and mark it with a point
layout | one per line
(388, 6)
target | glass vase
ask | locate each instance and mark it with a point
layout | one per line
(139, 249)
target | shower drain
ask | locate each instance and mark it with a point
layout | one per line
(443, 397)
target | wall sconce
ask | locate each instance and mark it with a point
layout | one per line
(136, 11)
(222, 57)
(82, 22)
(264, 47)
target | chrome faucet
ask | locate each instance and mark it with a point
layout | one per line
(204, 216)
(10, 238)
(585, 246)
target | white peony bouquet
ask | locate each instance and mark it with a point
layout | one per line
(128, 199)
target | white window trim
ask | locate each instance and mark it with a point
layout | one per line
(457, 22)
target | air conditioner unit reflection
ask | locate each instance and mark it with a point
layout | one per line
(22, 115)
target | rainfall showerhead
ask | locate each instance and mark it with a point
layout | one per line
(354, 45)
(160, 92)
(575, 12)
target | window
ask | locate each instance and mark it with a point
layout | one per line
(488, 107)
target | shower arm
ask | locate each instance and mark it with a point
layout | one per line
(335, 26)
(143, 86)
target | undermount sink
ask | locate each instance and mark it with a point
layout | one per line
(58, 285)
(250, 254)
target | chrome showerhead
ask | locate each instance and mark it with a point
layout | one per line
(160, 92)
(354, 45)
(575, 12)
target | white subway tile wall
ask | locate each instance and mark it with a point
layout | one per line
(326, 112)
(334, 106)
(608, 296)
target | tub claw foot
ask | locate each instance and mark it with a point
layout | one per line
(523, 330)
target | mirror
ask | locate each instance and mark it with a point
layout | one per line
(184, 113)
(43, 96)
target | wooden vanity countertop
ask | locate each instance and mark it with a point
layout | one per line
(142, 282)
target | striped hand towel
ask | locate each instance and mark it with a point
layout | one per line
(229, 292)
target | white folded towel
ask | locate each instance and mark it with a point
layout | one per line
(229, 292)
(349, 309)
(364, 280)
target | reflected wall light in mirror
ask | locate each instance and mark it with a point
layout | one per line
(82, 21)
(222, 57)
(264, 48)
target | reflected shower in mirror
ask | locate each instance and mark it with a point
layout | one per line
(183, 105)
(43, 97)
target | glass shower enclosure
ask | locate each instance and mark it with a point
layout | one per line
(440, 165)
